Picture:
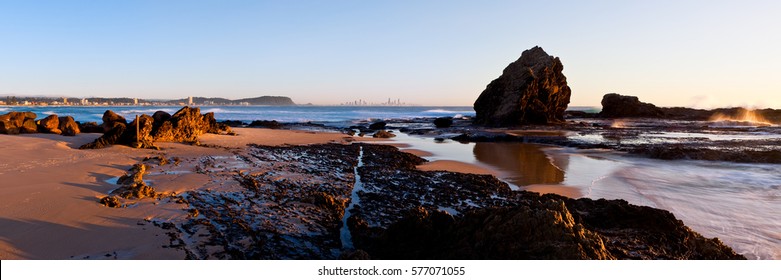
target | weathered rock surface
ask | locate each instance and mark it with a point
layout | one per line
(29, 126)
(383, 134)
(17, 122)
(68, 126)
(185, 126)
(132, 187)
(109, 138)
(160, 117)
(531, 90)
(90, 127)
(50, 124)
(110, 118)
(621, 106)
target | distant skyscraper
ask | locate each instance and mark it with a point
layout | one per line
(135, 101)
(64, 100)
(190, 101)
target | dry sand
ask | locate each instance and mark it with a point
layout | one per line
(49, 193)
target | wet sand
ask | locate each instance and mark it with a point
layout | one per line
(49, 193)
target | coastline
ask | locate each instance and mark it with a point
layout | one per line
(50, 190)
(203, 169)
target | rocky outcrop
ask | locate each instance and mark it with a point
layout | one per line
(410, 214)
(50, 124)
(90, 127)
(24, 122)
(29, 126)
(383, 134)
(160, 117)
(378, 125)
(183, 126)
(68, 126)
(132, 187)
(531, 90)
(266, 124)
(110, 118)
(18, 122)
(443, 122)
(622, 106)
(109, 138)
(544, 227)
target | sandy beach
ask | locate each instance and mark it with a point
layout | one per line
(49, 191)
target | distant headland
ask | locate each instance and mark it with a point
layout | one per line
(126, 101)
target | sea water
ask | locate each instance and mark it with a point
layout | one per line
(331, 115)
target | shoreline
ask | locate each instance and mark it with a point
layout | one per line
(49, 187)
(102, 227)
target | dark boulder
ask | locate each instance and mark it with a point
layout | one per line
(622, 106)
(213, 126)
(14, 122)
(50, 124)
(109, 138)
(544, 231)
(378, 125)
(29, 126)
(531, 90)
(90, 127)
(443, 122)
(110, 118)
(68, 126)
(160, 117)
(383, 134)
(266, 124)
(233, 123)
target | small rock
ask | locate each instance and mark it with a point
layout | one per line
(383, 134)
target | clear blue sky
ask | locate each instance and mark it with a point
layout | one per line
(686, 53)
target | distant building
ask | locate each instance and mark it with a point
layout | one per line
(135, 101)
(64, 100)
(84, 102)
(190, 101)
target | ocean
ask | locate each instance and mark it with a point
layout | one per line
(339, 116)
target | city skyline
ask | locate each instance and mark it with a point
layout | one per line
(702, 54)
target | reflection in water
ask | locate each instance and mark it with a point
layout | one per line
(738, 203)
(521, 164)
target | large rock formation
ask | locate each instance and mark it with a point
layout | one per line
(184, 126)
(50, 124)
(621, 106)
(68, 126)
(531, 90)
(18, 122)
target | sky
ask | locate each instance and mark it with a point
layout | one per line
(700, 54)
